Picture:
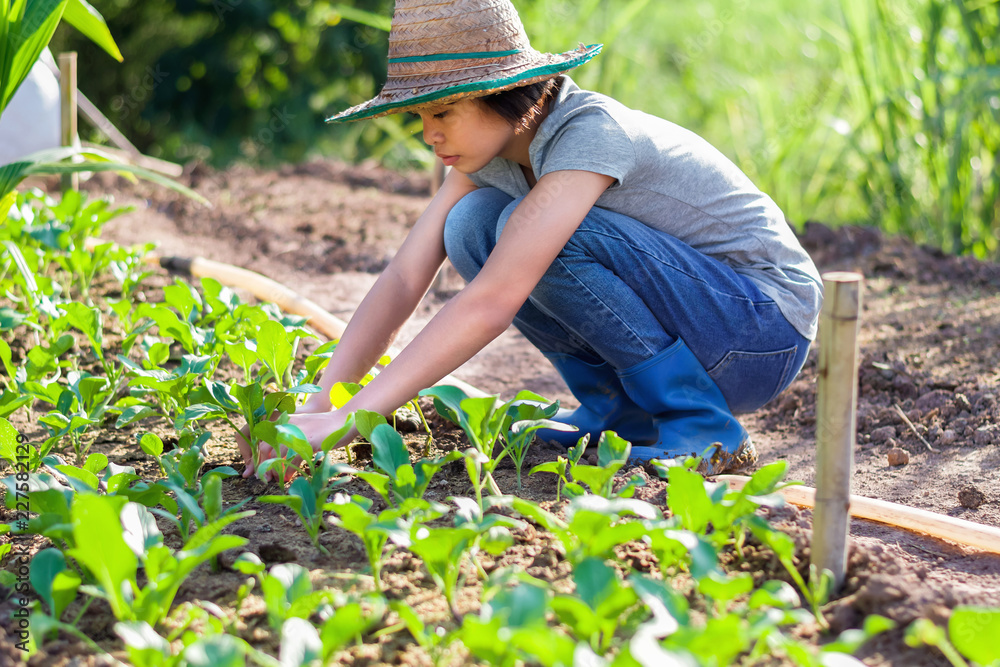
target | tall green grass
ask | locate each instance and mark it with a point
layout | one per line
(924, 84)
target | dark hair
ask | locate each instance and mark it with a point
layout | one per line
(520, 106)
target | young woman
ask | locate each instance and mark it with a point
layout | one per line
(665, 288)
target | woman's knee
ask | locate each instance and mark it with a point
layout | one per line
(469, 229)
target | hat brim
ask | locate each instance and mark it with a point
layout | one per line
(533, 72)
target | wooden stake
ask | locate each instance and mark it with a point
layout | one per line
(836, 413)
(67, 88)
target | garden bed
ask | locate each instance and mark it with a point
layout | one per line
(929, 351)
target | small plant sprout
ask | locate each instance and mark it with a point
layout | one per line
(971, 633)
(482, 418)
(560, 468)
(612, 454)
(307, 494)
(396, 478)
(525, 419)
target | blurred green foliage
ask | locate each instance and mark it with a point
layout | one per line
(863, 111)
(221, 80)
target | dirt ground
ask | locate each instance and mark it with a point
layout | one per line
(929, 377)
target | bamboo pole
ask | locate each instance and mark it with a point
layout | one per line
(941, 526)
(836, 411)
(68, 111)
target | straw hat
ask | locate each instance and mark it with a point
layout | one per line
(443, 50)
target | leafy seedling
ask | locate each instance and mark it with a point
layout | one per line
(396, 478)
(352, 514)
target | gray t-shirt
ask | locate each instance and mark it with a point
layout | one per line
(672, 180)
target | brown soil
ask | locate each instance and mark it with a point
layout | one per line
(930, 344)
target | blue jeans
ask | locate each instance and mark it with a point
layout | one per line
(621, 292)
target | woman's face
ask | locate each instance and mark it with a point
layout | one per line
(466, 135)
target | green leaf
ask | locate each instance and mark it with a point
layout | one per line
(95, 463)
(101, 548)
(216, 651)
(974, 632)
(776, 594)
(21, 46)
(366, 421)
(151, 444)
(55, 584)
(7, 358)
(687, 498)
(88, 321)
(133, 414)
(274, 348)
(612, 450)
(388, 450)
(723, 588)
(85, 476)
(301, 488)
(594, 581)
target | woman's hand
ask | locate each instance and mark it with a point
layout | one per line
(316, 427)
(316, 404)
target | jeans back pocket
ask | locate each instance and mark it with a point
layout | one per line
(749, 380)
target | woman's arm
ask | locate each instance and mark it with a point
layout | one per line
(386, 307)
(394, 296)
(537, 230)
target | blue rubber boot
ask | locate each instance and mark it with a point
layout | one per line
(604, 405)
(689, 411)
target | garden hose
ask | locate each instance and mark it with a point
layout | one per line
(968, 533)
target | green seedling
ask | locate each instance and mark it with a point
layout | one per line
(54, 582)
(249, 564)
(172, 391)
(612, 454)
(288, 593)
(199, 499)
(89, 320)
(352, 514)
(83, 265)
(129, 268)
(113, 537)
(307, 495)
(396, 479)
(317, 467)
(525, 420)
(596, 611)
(433, 641)
(493, 531)
(258, 411)
(560, 468)
(971, 634)
(443, 551)
(511, 628)
(302, 644)
(484, 420)
(89, 398)
(11, 398)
